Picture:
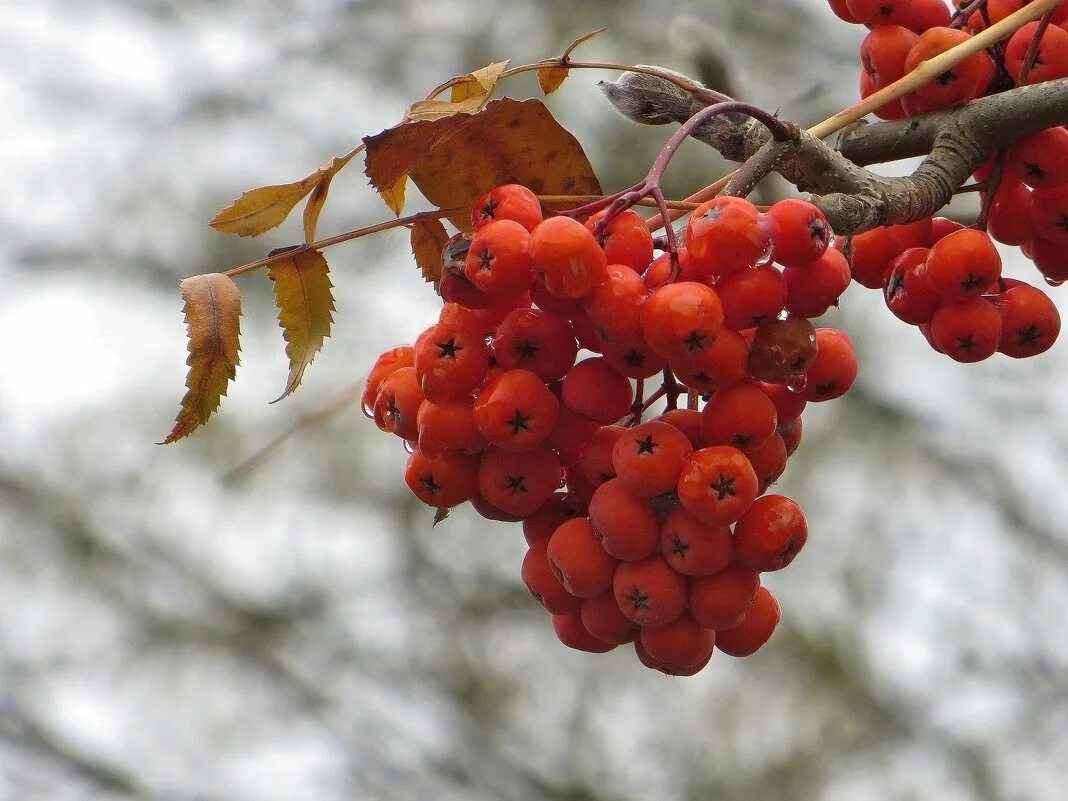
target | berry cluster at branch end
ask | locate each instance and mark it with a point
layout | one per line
(532, 399)
(934, 273)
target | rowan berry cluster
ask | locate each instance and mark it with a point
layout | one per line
(934, 273)
(527, 400)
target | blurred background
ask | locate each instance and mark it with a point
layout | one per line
(301, 631)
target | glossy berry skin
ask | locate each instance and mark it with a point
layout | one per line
(649, 592)
(682, 643)
(541, 524)
(449, 427)
(1009, 221)
(450, 361)
(442, 481)
(966, 81)
(667, 668)
(531, 339)
(603, 618)
(626, 239)
(962, 265)
(688, 421)
(811, 290)
(649, 457)
(749, 297)
(519, 483)
(906, 291)
(755, 628)
(967, 330)
(570, 631)
(721, 366)
(498, 262)
(596, 460)
(680, 321)
(799, 232)
(770, 534)
(788, 404)
(1030, 323)
(742, 417)
(614, 305)
(769, 461)
(720, 601)
(782, 350)
(1051, 62)
(1041, 159)
(567, 257)
(872, 252)
(660, 270)
(387, 363)
(543, 585)
(725, 235)
(578, 560)
(694, 548)
(625, 524)
(569, 436)
(507, 202)
(883, 53)
(515, 411)
(1051, 259)
(878, 12)
(634, 361)
(396, 406)
(835, 368)
(1049, 213)
(456, 288)
(717, 485)
(594, 389)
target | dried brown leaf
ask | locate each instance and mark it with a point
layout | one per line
(213, 324)
(551, 78)
(393, 194)
(456, 159)
(429, 238)
(302, 293)
(483, 83)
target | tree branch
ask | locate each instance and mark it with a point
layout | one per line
(955, 142)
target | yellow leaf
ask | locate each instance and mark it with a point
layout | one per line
(213, 323)
(550, 78)
(439, 109)
(456, 159)
(483, 83)
(394, 194)
(315, 203)
(302, 293)
(429, 238)
(262, 209)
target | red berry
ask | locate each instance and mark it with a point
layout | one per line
(626, 239)
(1049, 213)
(450, 361)
(755, 628)
(812, 289)
(567, 257)
(742, 417)
(872, 252)
(1041, 159)
(498, 262)
(799, 232)
(770, 534)
(769, 461)
(570, 435)
(614, 304)
(749, 297)
(593, 388)
(688, 421)
(596, 461)
(782, 350)
(648, 458)
(578, 560)
(963, 264)
(1051, 61)
(508, 202)
(967, 330)
(966, 81)
(694, 548)
(448, 427)
(397, 404)
(442, 481)
(725, 235)
(660, 270)
(388, 363)
(682, 642)
(519, 483)
(667, 668)
(541, 524)
(515, 411)
(1009, 220)
(680, 321)
(1030, 323)
(649, 592)
(634, 361)
(721, 366)
(879, 12)
(530, 339)
(717, 485)
(542, 583)
(788, 403)
(625, 524)
(570, 631)
(1051, 259)
(906, 291)
(835, 368)
(719, 601)
(603, 618)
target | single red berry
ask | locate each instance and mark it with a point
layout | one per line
(625, 523)
(694, 548)
(578, 560)
(878, 12)
(541, 524)
(603, 618)
(649, 592)
(564, 308)
(769, 461)
(515, 411)
(491, 512)
(916, 234)
(567, 257)
(721, 366)
(637, 360)
(799, 231)
(725, 235)
(570, 435)
(965, 81)
(682, 642)
(720, 601)
(841, 10)
(1051, 259)
(680, 321)
(456, 288)
(749, 297)
(924, 14)
(906, 291)
(967, 330)
(614, 305)
(1030, 323)
(596, 460)
(498, 262)
(593, 388)
(397, 404)
(519, 483)
(1049, 213)
(811, 290)
(649, 457)
(570, 631)
(835, 368)
(717, 485)
(791, 436)
(688, 421)
(450, 361)
(667, 668)
(770, 534)
(742, 417)
(1051, 59)
(448, 427)
(755, 628)
(541, 582)
(1041, 159)
(788, 403)
(872, 252)
(1009, 220)
(962, 265)
(941, 227)
(507, 202)
(531, 339)
(626, 239)
(442, 481)
(388, 363)
(660, 271)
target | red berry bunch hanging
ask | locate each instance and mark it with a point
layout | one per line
(527, 400)
(944, 279)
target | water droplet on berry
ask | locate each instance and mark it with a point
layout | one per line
(767, 256)
(798, 384)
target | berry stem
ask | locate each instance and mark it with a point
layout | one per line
(990, 190)
(1032, 49)
(962, 15)
(671, 389)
